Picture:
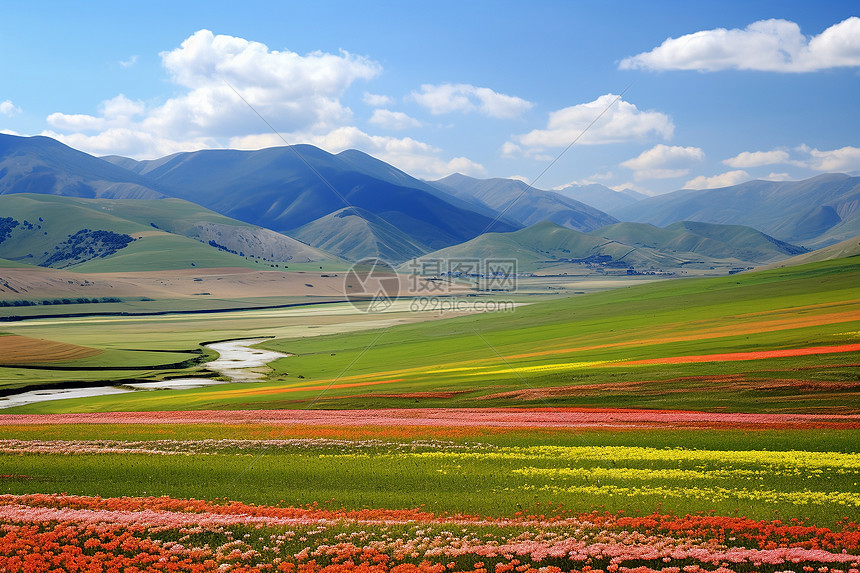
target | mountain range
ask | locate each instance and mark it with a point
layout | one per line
(524, 204)
(290, 204)
(815, 212)
(284, 188)
(601, 197)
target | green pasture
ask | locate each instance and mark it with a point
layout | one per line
(729, 472)
(565, 343)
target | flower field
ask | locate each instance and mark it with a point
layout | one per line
(767, 494)
(451, 418)
(74, 533)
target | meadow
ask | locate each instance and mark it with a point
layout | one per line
(783, 340)
(708, 425)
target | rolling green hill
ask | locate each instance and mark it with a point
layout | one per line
(7, 264)
(104, 235)
(534, 247)
(626, 245)
(707, 239)
(843, 250)
(356, 234)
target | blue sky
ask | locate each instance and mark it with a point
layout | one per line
(716, 93)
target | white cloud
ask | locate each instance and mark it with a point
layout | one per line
(621, 122)
(258, 141)
(722, 180)
(132, 60)
(448, 98)
(843, 159)
(394, 120)
(121, 108)
(664, 161)
(590, 180)
(767, 45)
(462, 165)
(293, 92)
(522, 178)
(757, 158)
(129, 142)
(299, 95)
(76, 122)
(115, 113)
(8, 108)
(779, 177)
(510, 149)
(377, 100)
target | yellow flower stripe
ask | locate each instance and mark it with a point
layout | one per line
(712, 494)
(784, 459)
(620, 473)
(558, 367)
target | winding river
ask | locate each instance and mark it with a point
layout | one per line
(236, 361)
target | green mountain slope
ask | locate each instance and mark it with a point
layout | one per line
(356, 234)
(626, 245)
(842, 250)
(7, 264)
(102, 235)
(714, 241)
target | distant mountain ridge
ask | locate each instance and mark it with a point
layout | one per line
(712, 240)
(842, 250)
(814, 212)
(601, 197)
(44, 165)
(524, 204)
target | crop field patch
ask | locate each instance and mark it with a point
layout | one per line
(18, 350)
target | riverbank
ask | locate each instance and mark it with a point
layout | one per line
(236, 362)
